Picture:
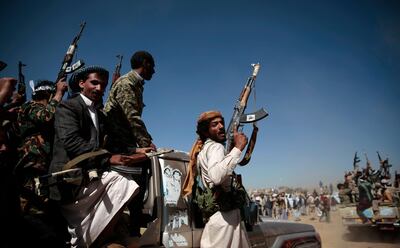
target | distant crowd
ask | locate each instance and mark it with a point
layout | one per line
(281, 205)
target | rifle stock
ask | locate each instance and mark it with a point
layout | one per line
(239, 118)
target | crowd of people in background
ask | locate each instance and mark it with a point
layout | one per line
(363, 188)
(297, 205)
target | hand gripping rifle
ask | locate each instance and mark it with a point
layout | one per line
(20, 96)
(117, 72)
(66, 63)
(384, 165)
(239, 118)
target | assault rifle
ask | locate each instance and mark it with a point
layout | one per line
(67, 61)
(19, 97)
(356, 160)
(239, 118)
(21, 83)
(384, 165)
(117, 72)
(370, 173)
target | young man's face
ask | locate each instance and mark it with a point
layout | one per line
(216, 130)
(93, 87)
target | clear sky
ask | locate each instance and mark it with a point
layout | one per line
(329, 77)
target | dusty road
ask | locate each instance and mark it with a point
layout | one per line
(334, 235)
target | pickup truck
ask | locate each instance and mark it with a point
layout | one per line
(171, 222)
(386, 218)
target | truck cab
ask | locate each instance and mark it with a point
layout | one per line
(172, 221)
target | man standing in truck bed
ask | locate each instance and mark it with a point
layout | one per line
(216, 170)
(129, 134)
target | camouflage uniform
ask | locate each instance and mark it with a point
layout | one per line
(344, 195)
(124, 109)
(35, 122)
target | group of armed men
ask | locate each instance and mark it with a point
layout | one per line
(40, 136)
(369, 187)
(82, 204)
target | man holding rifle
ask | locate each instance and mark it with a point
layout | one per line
(215, 174)
(35, 121)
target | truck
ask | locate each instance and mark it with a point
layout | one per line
(386, 216)
(171, 220)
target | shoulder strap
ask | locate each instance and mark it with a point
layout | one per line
(74, 162)
(199, 177)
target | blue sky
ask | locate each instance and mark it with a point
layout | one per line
(329, 77)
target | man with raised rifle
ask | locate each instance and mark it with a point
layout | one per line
(215, 189)
(35, 124)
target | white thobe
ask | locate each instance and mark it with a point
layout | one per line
(96, 205)
(224, 229)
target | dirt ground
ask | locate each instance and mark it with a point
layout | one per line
(335, 235)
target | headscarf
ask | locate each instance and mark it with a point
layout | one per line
(196, 148)
(41, 85)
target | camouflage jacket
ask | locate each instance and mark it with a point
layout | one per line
(344, 196)
(124, 109)
(35, 122)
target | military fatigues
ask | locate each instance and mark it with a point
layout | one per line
(35, 122)
(127, 131)
(344, 196)
(124, 109)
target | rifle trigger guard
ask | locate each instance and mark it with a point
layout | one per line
(253, 117)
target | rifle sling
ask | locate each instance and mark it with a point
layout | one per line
(250, 147)
(74, 162)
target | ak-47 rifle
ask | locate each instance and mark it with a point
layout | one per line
(67, 61)
(21, 83)
(372, 174)
(239, 118)
(356, 160)
(19, 97)
(384, 165)
(117, 72)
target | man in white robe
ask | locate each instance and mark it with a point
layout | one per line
(224, 228)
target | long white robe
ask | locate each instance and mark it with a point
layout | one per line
(96, 205)
(224, 229)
